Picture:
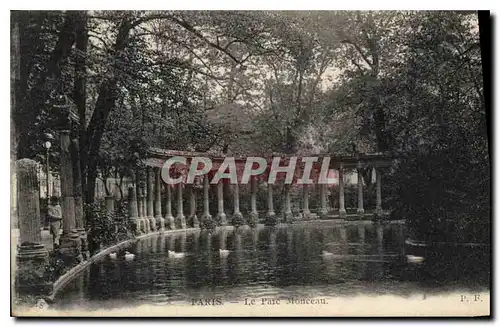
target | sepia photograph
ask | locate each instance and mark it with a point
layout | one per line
(242, 163)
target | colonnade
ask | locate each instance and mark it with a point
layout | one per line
(145, 201)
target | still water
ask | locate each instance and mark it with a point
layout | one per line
(279, 262)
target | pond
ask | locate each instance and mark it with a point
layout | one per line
(279, 262)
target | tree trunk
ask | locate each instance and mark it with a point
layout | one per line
(80, 87)
(104, 105)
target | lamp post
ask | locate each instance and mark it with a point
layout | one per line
(47, 145)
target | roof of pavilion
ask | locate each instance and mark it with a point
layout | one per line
(158, 156)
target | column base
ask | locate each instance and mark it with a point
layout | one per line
(288, 217)
(141, 225)
(135, 225)
(254, 219)
(31, 261)
(180, 221)
(152, 224)
(193, 219)
(238, 219)
(271, 219)
(323, 212)
(160, 223)
(222, 218)
(306, 214)
(71, 246)
(207, 221)
(360, 211)
(342, 213)
(169, 222)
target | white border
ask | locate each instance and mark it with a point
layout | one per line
(194, 4)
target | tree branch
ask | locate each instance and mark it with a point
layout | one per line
(360, 51)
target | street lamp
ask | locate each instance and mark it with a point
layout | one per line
(47, 145)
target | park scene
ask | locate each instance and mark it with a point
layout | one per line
(252, 157)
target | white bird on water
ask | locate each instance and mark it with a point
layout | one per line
(173, 254)
(414, 259)
(326, 254)
(129, 256)
(113, 256)
(223, 253)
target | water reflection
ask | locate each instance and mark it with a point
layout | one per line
(281, 261)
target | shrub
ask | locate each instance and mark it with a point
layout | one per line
(209, 224)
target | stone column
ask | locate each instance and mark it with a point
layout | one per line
(77, 194)
(160, 222)
(31, 254)
(142, 205)
(71, 243)
(254, 215)
(255, 238)
(380, 235)
(169, 219)
(144, 209)
(138, 192)
(342, 212)
(110, 207)
(361, 210)
(206, 205)
(361, 233)
(182, 242)
(306, 212)
(181, 220)
(110, 204)
(221, 216)
(323, 211)
(149, 201)
(378, 208)
(237, 216)
(192, 207)
(133, 213)
(270, 205)
(287, 207)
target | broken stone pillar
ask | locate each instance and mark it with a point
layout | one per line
(71, 243)
(77, 194)
(31, 254)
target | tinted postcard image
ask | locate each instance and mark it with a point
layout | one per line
(249, 163)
